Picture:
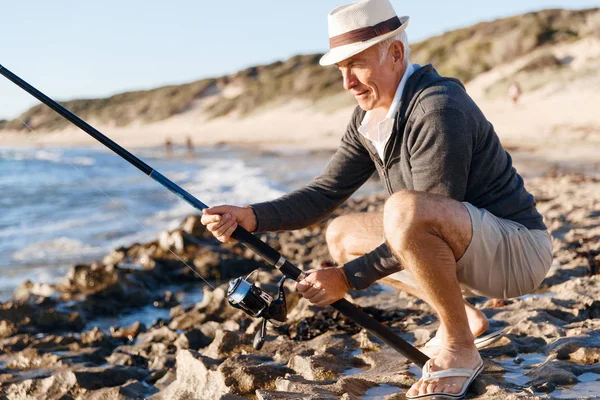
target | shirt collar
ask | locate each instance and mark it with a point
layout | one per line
(393, 110)
(398, 96)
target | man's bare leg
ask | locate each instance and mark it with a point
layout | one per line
(478, 322)
(352, 235)
(428, 233)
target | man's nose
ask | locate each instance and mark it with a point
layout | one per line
(349, 78)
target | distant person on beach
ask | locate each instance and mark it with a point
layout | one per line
(169, 146)
(459, 220)
(514, 91)
(190, 146)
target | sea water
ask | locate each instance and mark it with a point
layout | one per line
(62, 206)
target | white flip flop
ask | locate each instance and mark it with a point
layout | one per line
(448, 373)
(481, 342)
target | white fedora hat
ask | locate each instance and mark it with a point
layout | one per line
(358, 26)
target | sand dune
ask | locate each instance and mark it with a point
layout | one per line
(557, 120)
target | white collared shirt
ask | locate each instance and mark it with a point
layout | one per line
(379, 132)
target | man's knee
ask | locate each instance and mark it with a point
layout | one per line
(404, 215)
(334, 236)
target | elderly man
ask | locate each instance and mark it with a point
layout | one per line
(458, 219)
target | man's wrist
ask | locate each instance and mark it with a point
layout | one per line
(344, 276)
(252, 219)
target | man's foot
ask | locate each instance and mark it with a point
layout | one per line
(478, 324)
(467, 360)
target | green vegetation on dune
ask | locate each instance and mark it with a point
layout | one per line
(463, 53)
(119, 110)
(300, 77)
(468, 52)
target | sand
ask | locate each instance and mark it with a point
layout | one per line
(556, 123)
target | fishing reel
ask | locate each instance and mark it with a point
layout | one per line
(258, 304)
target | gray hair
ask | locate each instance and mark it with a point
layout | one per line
(385, 46)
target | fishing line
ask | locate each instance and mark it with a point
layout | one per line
(144, 227)
(252, 299)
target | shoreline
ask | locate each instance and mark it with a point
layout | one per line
(549, 334)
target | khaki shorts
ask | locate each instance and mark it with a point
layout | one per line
(503, 260)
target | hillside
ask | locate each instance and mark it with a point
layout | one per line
(465, 53)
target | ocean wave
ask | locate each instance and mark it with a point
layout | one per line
(62, 248)
(23, 229)
(53, 156)
(220, 182)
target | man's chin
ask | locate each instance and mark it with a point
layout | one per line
(365, 105)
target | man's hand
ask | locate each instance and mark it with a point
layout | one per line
(324, 286)
(221, 221)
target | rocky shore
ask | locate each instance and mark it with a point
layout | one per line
(50, 347)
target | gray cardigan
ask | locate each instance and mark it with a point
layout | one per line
(441, 143)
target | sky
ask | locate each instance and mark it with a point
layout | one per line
(90, 49)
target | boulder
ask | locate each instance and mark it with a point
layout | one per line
(197, 378)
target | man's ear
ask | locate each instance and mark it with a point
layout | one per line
(398, 52)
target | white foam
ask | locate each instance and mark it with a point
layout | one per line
(56, 249)
(54, 226)
(221, 182)
(54, 156)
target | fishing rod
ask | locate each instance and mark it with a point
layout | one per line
(241, 293)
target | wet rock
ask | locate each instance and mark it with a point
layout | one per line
(246, 373)
(210, 328)
(365, 341)
(584, 349)
(176, 311)
(316, 368)
(386, 366)
(29, 291)
(133, 390)
(214, 307)
(30, 317)
(7, 329)
(278, 395)
(346, 385)
(193, 339)
(161, 357)
(115, 257)
(172, 241)
(591, 311)
(127, 359)
(156, 376)
(167, 300)
(56, 387)
(31, 359)
(226, 343)
(89, 279)
(520, 344)
(187, 320)
(153, 356)
(52, 320)
(555, 372)
(107, 288)
(15, 343)
(545, 387)
(275, 395)
(56, 342)
(192, 225)
(88, 356)
(130, 332)
(197, 378)
(160, 335)
(504, 347)
(94, 337)
(586, 356)
(99, 377)
(166, 379)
